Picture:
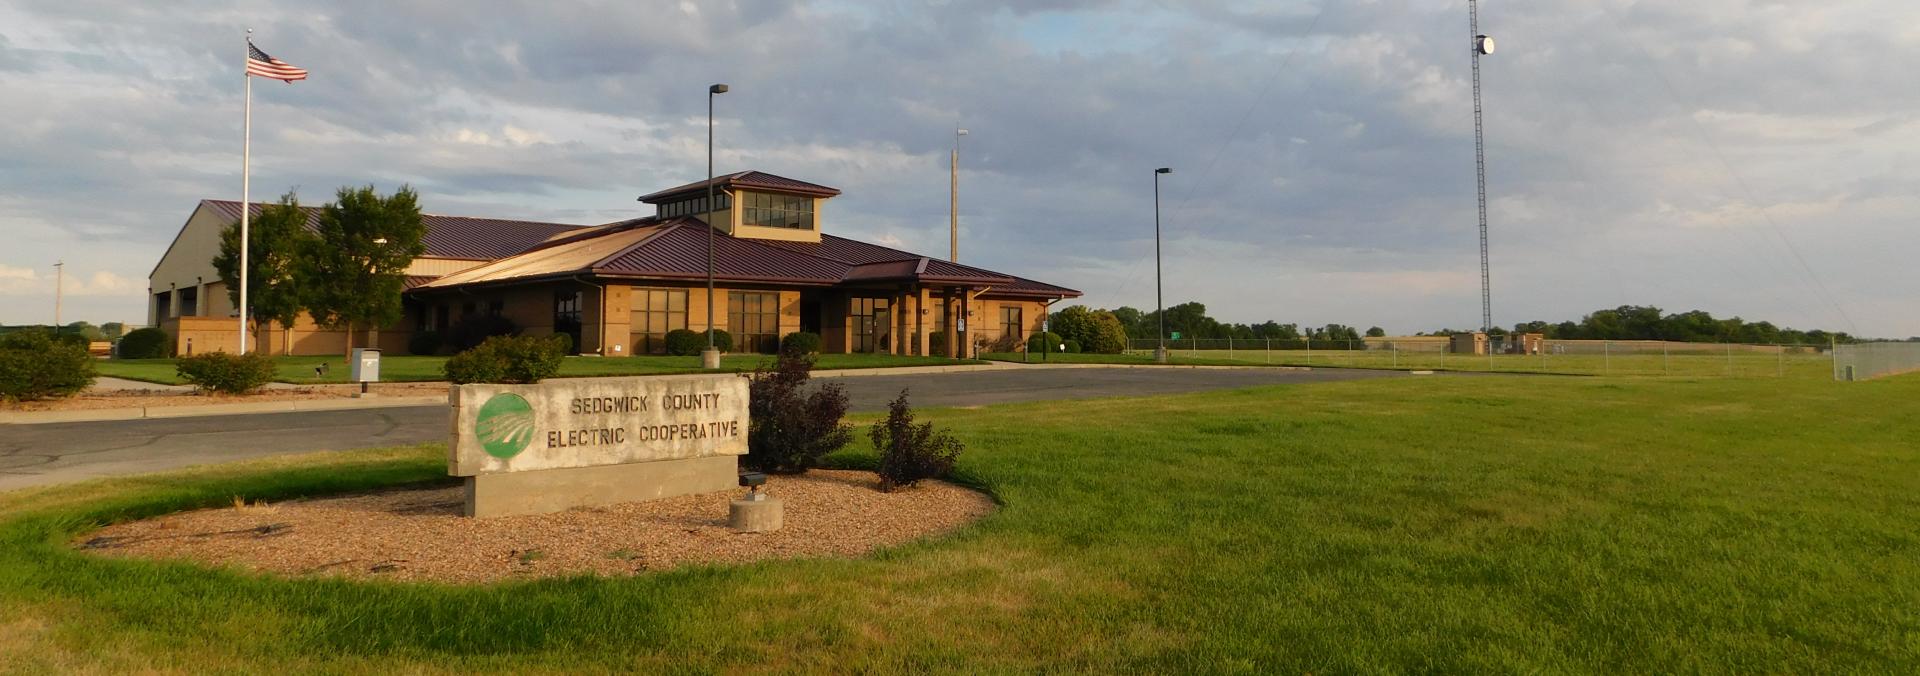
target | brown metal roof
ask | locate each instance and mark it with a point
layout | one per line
(743, 179)
(677, 249)
(480, 239)
(681, 251)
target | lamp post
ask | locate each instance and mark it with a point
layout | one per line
(710, 357)
(1159, 301)
(953, 199)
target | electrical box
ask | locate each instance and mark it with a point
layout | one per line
(366, 365)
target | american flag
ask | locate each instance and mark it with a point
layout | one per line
(258, 63)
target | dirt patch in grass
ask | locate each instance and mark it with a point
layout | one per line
(420, 535)
(109, 399)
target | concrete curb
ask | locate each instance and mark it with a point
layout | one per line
(155, 412)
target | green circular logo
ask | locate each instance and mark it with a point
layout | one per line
(505, 425)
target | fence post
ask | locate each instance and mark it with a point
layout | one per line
(1664, 366)
(1606, 356)
(1780, 361)
(1729, 360)
(1229, 347)
(1268, 344)
(1309, 350)
(1396, 353)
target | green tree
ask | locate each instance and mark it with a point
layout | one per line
(1376, 332)
(279, 242)
(1105, 335)
(359, 267)
(1074, 322)
(1130, 320)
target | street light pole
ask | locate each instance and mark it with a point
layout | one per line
(953, 199)
(59, 289)
(1159, 300)
(710, 357)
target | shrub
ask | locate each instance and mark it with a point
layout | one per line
(1072, 346)
(472, 330)
(685, 343)
(721, 339)
(806, 342)
(227, 373)
(937, 344)
(146, 344)
(507, 359)
(35, 366)
(789, 429)
(425, 343)
(909, 452)
(1044, 342)
(75, 339)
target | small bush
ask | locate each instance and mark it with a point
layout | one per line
(35, 366)
(565, 341)
(789, 428)
(910, 453)
(806, 342)
(425, 343)
(227, 373)
(146, 344)
(1072, 346)
(75, 339)
(685, 343)
(507, 359)
(1044, 342)
(472, 330)
(721, 339)
(937, 344)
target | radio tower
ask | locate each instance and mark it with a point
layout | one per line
(1482, 45)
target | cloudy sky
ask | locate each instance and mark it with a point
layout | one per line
(1746, 157)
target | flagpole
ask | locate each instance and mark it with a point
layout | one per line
(246, 204)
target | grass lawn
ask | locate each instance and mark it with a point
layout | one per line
(1738, 365)
(300, 370)
(1462, 525)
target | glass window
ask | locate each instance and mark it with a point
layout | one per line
(655, 312)
(1010, 324)
(776, 211)
(754, 320)
(869, 317)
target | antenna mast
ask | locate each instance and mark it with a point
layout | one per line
(1482, 45)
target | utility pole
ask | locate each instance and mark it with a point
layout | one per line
(59, 289)
(953, 199)
(1482, 45)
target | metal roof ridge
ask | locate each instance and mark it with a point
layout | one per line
(659, 230)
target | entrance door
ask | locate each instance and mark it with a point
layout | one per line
(566, 316)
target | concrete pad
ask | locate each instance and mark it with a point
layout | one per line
(552, 490)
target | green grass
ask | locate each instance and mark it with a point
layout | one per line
(300, 370)
(1738, 365)
(1456, 525)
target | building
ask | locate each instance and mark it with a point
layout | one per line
(618, 288)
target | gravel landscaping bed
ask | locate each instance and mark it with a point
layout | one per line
(420, 535)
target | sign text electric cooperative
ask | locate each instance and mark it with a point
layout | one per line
(601, 436)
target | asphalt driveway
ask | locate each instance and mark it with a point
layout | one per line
(33, 455)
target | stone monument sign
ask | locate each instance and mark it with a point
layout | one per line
(531, 449)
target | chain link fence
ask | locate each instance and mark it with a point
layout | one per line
(1864, 361)
(1589, 357)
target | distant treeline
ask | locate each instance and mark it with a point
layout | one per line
(1627, 322)
(1645, 322)
(107, 331)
